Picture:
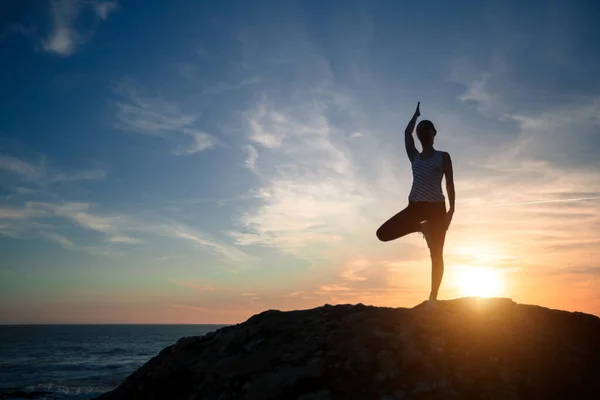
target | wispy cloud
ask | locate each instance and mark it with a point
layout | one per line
(93, 174)
(294, 294)
(352, 270)
(22, 168)
(225, 87)
(60, 239)
(158, 117)
(333, 288)
(526, 203)
(123, 239)
(105, 8)
(37, 217)
(186, 233)
(64, 38)
(309, 190)
(480, 85)
(9, 212)
(149, 115)
(200, 142)
(41, 174)
(78, 212)
(542, 126)
(250, 162)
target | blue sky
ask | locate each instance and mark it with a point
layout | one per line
(201, 161)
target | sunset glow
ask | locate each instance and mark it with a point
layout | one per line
(480, 282)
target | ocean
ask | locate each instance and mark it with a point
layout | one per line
(77, 362)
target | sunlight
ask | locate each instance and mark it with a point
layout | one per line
(481, 282)
(478, 251)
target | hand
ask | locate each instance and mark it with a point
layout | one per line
(449, 216)
(417, 111)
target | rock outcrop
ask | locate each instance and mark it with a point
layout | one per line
(467, 348)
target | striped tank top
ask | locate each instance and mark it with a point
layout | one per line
(427, 178)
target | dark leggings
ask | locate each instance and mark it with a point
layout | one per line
(409, 220)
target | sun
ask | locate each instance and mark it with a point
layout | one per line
(480, 282)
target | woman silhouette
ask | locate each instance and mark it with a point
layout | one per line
(426, 210)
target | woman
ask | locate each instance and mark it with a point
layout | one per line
(426, 210)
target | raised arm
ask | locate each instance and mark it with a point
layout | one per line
(449, 173)
(409, 141)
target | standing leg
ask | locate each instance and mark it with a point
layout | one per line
(405, 222)
(437, 236)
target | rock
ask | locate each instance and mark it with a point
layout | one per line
(466, 348)
(320, 395)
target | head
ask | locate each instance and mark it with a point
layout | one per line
(426, 132)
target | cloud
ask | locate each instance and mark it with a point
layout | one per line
(62, 240)
(22, 168)
(147, 119)
(13, 213)
(296, 293)
(309, 192)
(186, 233)
(93, 174)
(42, 174)
(593, 270)
(200, 142)
(105, 8)
(78, 212)
(123, 239)
(148, 115)
(158, 117)
(250, 162)
(63, 38)
(333, 288)
(224, 87)
(21, 222)
(526, 203)
(32, 217)
(353, 268)
(272, 137)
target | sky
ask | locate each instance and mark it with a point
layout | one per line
(200, 162)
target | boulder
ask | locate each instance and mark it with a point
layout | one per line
(469, 348)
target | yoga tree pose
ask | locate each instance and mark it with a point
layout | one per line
(426, 211)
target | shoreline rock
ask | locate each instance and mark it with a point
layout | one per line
(467, 348)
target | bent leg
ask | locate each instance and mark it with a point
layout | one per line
(405, 222)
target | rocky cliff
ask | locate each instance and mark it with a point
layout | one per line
(467, 348)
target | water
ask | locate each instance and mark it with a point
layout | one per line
(77, 362)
